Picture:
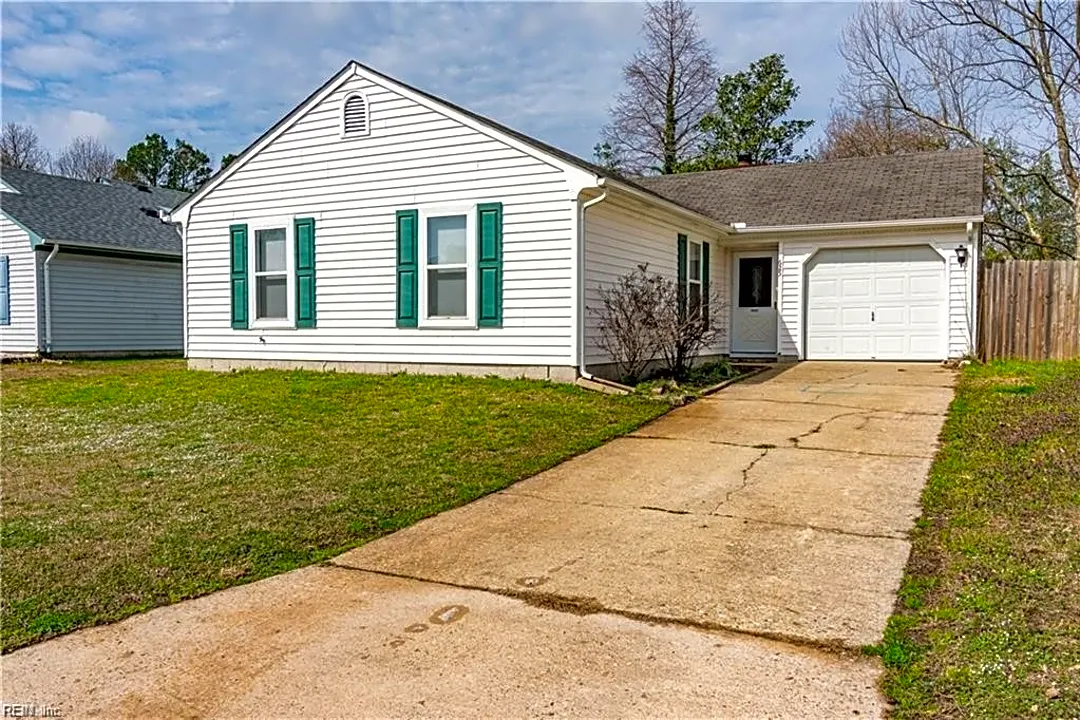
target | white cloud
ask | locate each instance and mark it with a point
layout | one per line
(56, 129)
(548, 69)
(18, 82)
(63, 55)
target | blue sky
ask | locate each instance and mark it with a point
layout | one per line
(219, 74)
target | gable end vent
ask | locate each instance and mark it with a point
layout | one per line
(355, 120)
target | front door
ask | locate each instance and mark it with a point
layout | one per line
(753, 314)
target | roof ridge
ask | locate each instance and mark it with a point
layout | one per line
(818, 163)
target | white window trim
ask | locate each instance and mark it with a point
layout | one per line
(367, 111)
(469, 321)
(290, 274)
(701, 270)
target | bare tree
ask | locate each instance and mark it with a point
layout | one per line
(864, 128)
(85, 158)
(20, 148)
(998, 74)
(670, 85)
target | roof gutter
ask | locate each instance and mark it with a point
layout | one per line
(605, 183)
(742, 229)
(113, 248)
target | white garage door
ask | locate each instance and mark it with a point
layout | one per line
(876, 304)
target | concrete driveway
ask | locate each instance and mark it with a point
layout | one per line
(727, 560)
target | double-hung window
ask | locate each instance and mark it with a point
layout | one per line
(448, 272)
(694, 279)
(272, 292)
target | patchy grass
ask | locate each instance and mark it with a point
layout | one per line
(988, 622)
(699, 378)
(128, 485)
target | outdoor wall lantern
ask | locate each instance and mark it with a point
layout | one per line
(961, 254)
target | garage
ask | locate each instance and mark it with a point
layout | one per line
(876, 303)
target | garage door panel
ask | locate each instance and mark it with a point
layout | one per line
(855, 316)
(876, 303)
(925, 316)
(855, 288)
(855, 345)
(926, 285)
(825, 318)
(891, 318)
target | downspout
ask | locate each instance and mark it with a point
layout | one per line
(48, 298)
(582, 372)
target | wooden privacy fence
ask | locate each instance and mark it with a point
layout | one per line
(1029, 309)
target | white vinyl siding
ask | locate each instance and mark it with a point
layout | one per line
(102, 304)
(20, 336)
(795, 253)
(414, 157)
(619, 237)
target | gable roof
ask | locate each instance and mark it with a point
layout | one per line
(923, 186)
(115, 216)
(917, 186)
(354, 67)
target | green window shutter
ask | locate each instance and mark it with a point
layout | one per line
(705, 284)
(305, 272)
(5, 291)
(681, 276)
(407, 267)
(489, 270)
(238, 273)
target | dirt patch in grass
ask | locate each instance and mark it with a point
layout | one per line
(988, 623)
(132, 484)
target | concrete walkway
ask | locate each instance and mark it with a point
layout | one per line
(727, 560)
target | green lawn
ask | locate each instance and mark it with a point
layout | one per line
(128, 485)
(988, 624)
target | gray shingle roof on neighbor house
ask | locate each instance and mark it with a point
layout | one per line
(916, 186)
(116, 216)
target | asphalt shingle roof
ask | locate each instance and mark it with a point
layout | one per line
(117, 215)
(886, 187)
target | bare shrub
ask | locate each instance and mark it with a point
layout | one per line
(645, 317)
(625, 321)
(683, 327)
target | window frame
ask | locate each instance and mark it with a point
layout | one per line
(468, 321)
(289, 321)
(367, 115)
(695, 312)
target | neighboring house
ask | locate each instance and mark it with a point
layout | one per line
(87, 268)
(379, 228)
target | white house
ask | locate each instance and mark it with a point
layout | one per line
(87, 268)
(379, 228)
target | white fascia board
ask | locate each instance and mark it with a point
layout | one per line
(856, 226)
(34, 238)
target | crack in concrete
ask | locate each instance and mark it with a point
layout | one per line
(590, 606)
(714, 513)
(818, 428)
(806, 388)
(788, 447)
(818, 528)
(728, 399)
(745, 480)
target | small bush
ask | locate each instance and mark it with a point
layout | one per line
(645, 316)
